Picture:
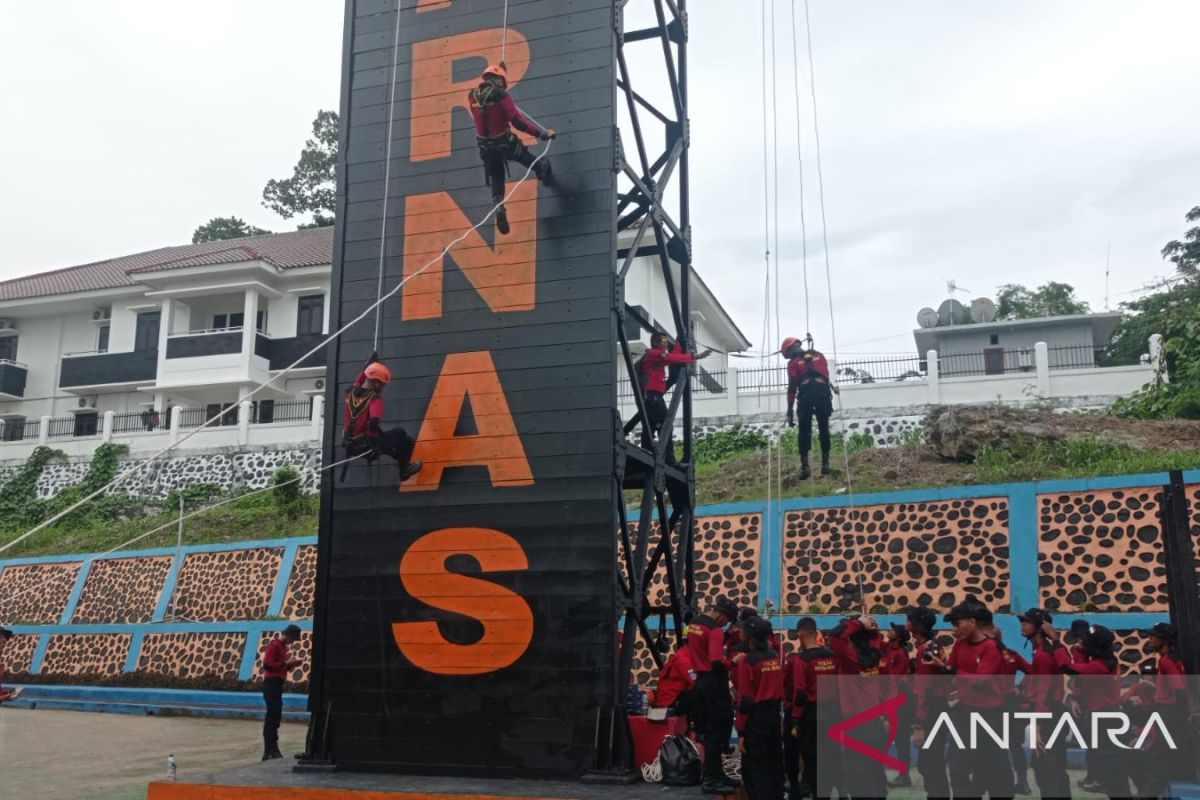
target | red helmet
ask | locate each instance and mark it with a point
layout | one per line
(378, 371)
(788, 344)
(498, 70)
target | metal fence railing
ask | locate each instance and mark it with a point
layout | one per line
(265, 412)
(21, 430)
(990, 361)
(74, 425)
(703, 382)
(1078, 356)
(881, 369)
(146, 421)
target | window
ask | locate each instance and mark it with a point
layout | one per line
(310, 316)
(995, 339)
(86, 424)
(8, 348)
(229, 417)
(237, 319)
(264, 411)
(102, 339)
(220, 321)
(145, 336)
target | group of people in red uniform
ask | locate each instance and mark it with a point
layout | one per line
(739, 678)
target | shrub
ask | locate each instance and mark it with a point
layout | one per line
(725, 444)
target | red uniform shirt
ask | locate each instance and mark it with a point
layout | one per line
(494, 112)
(803, 370)
(859, 686)
(705, 642)
(1101, 691)
(1043, 688)
(360, 425)
(655, 363)
(275, 659)
(675, 678)
(931, 687)
(800, 677)
(760, 682)
(983, 659)
(1170, 681)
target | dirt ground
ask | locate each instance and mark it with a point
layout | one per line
(56, 755)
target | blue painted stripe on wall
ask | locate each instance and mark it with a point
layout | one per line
(165, 627)
(168, 590)
(1023, 547)
(39, 651)
(275, 607)
(135, 651)
(165, 551)
(770, 558)
(249, 654)
(73, 599)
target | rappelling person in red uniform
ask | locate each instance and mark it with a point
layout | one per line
(495, 116)
(808, 383)
(653, 366)
(362, 431)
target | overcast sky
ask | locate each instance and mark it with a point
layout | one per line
(987, 143)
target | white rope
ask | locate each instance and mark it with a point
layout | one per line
(124, 476)
(179, 521)
(504, 34)
(387, 168)
(800, 162)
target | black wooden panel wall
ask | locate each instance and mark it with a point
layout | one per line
(437, 700)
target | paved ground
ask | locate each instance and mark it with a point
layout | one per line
(61, 755)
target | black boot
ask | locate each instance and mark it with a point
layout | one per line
(410, 469)
(1022, 786)
(900, 781)
(717, 786)
(805, 471)
(542, 170)
(825, 464)
(270, 750)
(502, 220)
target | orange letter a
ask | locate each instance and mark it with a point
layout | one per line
(506, 617)
(496, 445)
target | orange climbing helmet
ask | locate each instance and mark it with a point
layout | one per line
(378, 371)
(787, 345)
(498, 70)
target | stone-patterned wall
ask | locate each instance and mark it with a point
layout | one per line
(192, 655)
(18, 653)
(1102, 550)
(86, 653)
(244, 467)
(226, 585)
(45, 605)
(298, 602)
(122, 590)
(929, 553)
(302, 650)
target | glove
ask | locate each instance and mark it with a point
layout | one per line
(791, 419)
(547, 135)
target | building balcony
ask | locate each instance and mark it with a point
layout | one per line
(12, 379)
(282, 353)
(83, 372)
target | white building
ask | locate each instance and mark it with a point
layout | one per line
(142, 348)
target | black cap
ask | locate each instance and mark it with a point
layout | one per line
(1036, 615)
(292, 631)
(1079, 628)
(901, 632)
(969, 609)
(1163, 630)
(758, 627)
(1099, 640)
(746, 612)
(726, 607)
(922, 618)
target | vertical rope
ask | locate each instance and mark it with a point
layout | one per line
(800, 162)
(766, 349)
(504, 34)
(387, 169)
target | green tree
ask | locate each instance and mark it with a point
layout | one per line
(1185, 253)
(219, 228)
(1052, 299)
(312, 187)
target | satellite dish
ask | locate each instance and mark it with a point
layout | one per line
(927, 318)
(951, 312)
(983, 310)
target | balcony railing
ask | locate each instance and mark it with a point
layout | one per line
(99, 369)
(212, 342)
(147, 421)
(266, 412)
(12, 377)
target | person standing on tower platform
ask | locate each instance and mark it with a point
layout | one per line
(653, 378)
(362, 429)
(810, 389)
(495, 116)
(276, 666)
(801, 672)
(713, 717)
(760, 695)
(1173, 706)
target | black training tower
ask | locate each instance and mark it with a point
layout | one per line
(468, 623)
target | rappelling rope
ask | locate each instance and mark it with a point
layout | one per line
(387, 169)
(178, 521)
(800, 162)
(124, 476)
(770, 131)
(504, 34)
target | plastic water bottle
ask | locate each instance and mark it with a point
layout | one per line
(171, 767)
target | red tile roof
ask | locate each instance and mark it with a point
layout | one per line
(305, 248)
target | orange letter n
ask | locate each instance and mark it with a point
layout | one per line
(506, 617)
(497, 445)
(505, 276)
